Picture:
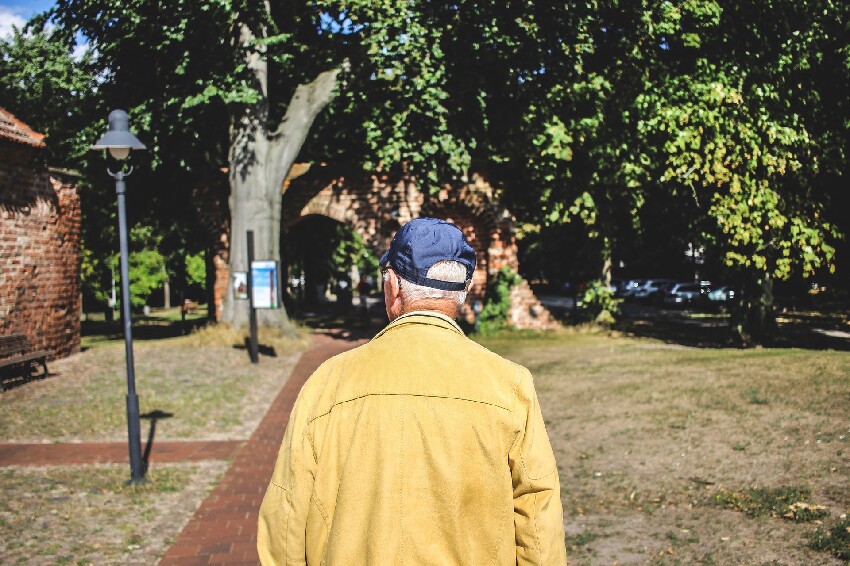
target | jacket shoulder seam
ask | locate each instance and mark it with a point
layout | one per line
(335, 404)
(322, 511)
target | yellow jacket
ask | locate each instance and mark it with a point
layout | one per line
(420, 447)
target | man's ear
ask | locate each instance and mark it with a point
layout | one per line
(392, 295)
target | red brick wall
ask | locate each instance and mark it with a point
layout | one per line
(39, 251)
(376, 206)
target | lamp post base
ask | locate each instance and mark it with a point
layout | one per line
(137, 464)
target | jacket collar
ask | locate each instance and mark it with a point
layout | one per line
(431, 318)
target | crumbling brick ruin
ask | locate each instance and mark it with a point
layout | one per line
(39, 243)
(376, 206)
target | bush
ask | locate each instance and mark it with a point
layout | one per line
(495, 313)
(599, 303)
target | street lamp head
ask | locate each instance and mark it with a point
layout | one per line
(118, 139)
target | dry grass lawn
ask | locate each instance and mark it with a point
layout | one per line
(208, 387)
(85, 514)
(667, 454)
(675, 455)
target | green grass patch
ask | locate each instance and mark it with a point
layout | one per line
(756, 397)
(834, 539)
(787, 502)
(582, 539)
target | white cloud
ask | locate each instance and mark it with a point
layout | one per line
(79, 50)
(9, 18)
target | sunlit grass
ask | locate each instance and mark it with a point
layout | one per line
(648, 434)
(207, 386)
(89, 515)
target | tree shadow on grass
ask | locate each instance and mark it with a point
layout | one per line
(711, 330)
(144, 328)
(351, 324)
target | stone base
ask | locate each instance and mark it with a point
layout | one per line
(527, 312)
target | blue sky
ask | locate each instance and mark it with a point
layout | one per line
(17, 12)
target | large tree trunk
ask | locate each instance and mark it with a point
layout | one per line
(260, 158)
(752, 319)
(607, 251)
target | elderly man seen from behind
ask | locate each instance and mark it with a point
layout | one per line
(420, 447)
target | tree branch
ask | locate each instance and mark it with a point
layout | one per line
(286, 140)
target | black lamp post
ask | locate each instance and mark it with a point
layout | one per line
(119, 141)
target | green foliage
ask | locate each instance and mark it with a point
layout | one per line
(725, 122)
(747, 189)
(494, 315)
(404, 48)
(599, 303)
(43, 79)
(196, 269)
(147, 273)
(146, 266)
(91, 269)
(350, 250)
(786, 502)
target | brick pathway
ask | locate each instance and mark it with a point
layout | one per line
(224, 529)
(113, 452)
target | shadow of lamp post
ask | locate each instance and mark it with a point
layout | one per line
(119, 141)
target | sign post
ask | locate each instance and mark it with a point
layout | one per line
(253, 344)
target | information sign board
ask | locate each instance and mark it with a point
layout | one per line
(240, 284)
(264, 284)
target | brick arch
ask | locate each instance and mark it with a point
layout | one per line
(478, 226)
(375, 206)
(372, 206)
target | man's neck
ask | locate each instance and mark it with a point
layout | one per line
(442, 306)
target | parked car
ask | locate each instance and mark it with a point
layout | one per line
(722, 294)
(616, 285)
(684, 294)
(629, 286)
(653, 290)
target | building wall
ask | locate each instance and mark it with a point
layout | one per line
(39, 251)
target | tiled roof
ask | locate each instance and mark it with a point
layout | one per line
(13, 129)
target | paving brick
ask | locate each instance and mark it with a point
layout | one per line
(180, 550)
(113, 452)
(229, 514)
(219, 548)
(197, 560)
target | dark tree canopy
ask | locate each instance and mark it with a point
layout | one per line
(727, 123)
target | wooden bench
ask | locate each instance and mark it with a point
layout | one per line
(15, 354)
(190, 306)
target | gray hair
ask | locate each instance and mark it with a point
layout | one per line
(451, 271)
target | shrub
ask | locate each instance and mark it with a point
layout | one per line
(599, 303)
(495, 313)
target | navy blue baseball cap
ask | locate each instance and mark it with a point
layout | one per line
(421, 243)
